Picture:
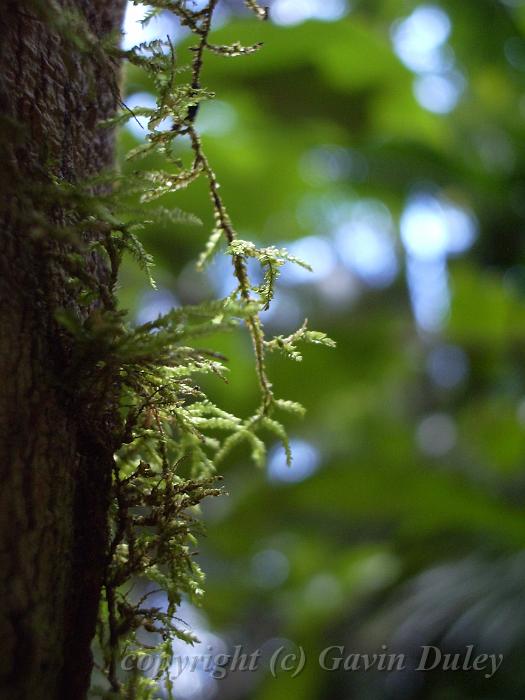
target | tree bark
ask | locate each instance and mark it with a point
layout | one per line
(55, 450)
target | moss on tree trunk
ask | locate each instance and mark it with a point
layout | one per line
(55, 448)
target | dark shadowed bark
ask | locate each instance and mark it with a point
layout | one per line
(55, 446)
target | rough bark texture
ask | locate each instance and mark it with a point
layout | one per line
(55, 450)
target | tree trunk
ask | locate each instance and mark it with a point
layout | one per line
(55, 451)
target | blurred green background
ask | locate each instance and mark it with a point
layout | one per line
(382, 141)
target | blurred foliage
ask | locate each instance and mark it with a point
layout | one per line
(409, 462)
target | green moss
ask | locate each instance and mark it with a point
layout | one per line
(170, 436)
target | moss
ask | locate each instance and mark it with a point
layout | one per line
(164, 438)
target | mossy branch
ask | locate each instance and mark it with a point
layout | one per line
(171, 436)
